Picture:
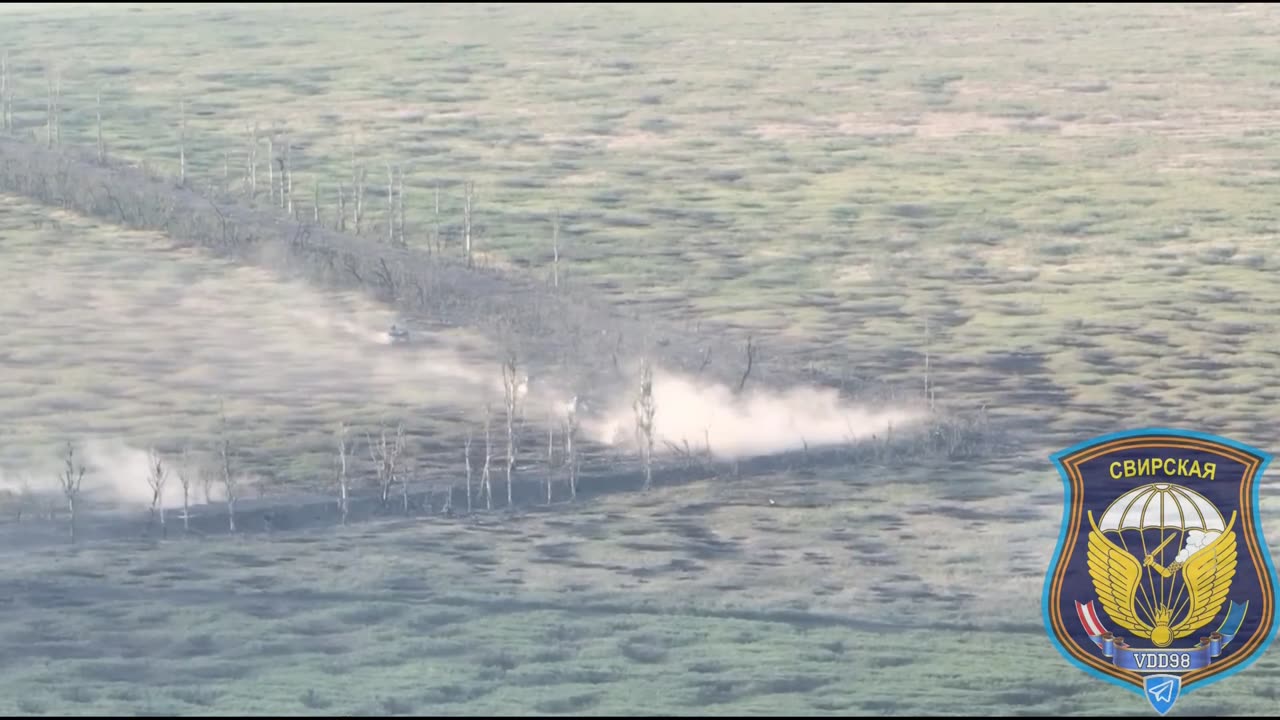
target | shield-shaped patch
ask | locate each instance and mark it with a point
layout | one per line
(1161, 581)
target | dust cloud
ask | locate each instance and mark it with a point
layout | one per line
(757, 423)
(116, 474)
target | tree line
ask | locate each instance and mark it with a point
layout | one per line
(259, 213)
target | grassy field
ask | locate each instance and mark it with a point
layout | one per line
(1079, 202)
(1083, 192)
(700, 600)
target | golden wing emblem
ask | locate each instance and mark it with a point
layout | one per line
(1207, 575)
(1116, 575)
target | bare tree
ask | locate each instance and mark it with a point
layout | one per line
(358, 182)
(208, 476)
(511, 388)
(251, 170)
(466, 456)
(385, 455)
(551, 453)
(391, 205)
(645, 409)
(706, 359)
(271, 169)
(435, 232)
(102, 146)
(23, 500)
(342, 208)
(570, 451)
(343, 497)
(72, 476)
(4, 107)
(229, 480)
(53, 128)
(286, 177)
(186, 475)
(467, 207)
(157, 474)
(400, 220)
(48, 121)
(226, 171)
(182, 142)
(315, 201)
(447, 507)
(406, 477)
(486, 485)
(928, 387)
(555, 250)
(751, 357)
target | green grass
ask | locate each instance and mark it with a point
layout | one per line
(1079, 200)
(866, 599)
(611, 609)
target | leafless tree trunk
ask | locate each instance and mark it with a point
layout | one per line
(4, 95)
(551, 454)
(486, 484)
(928, 388)
(751, 357)
(435, 233)
(251, 172)
(447, 507)
(6, 107)
(72, 476)
(271, 170)
(406, 476)
(57, 105)
(555, 250)
(102, 146)
(358, 183)
(315, 202)
(467, 207)
(186, 473)
(226, 171)
(182, 142)
(391, 205)
(644, 407)
(385, 455)
(511, 385)
(286, 177)
(229, 480)
(156, 477)
(342, 208)
(343, 502)
(26, 500)
(706, 360)
(466, 456)
(570, 452)
(400, 222)
(48, 121)
(208, 476)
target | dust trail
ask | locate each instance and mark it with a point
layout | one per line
(325, 341)
(759, 422)
(116, 474)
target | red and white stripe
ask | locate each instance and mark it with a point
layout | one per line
(1089, 618)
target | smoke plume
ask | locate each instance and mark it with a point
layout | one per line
(756, 423)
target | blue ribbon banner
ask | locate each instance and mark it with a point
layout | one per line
(1173, 660)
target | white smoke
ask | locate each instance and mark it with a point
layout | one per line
(1196, 540)
(116, 474)
(760, 422)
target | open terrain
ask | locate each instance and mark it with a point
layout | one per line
(1070, 209)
